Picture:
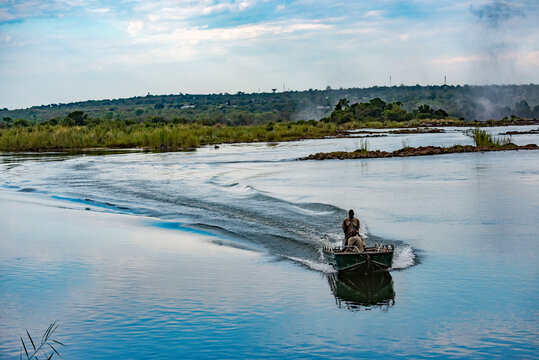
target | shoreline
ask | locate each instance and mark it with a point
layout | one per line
(419, 151)
(189, 138)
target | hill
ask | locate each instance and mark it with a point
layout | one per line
(465, 102)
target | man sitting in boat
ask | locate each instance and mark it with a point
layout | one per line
(350, 226)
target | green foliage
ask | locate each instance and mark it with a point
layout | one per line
(343, 104)
(363, 146)
(47, 347)
(378, 110)
(159, 135)
(78, 117)
(466, 102)
(67, 121)
(483, 138)
(21, 123)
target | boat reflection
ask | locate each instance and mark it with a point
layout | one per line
(355, 290)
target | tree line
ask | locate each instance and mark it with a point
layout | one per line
(463, 102)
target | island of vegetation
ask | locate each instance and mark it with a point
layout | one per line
(482, 139)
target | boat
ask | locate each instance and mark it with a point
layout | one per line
(355, 291)
(376, 258)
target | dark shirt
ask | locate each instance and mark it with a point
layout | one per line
(350, 227)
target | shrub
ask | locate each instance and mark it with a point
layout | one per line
(483, 138)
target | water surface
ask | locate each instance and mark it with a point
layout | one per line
(215, 253)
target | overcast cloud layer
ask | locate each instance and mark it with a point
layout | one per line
(55, 51)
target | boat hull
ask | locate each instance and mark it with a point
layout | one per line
(371, 259)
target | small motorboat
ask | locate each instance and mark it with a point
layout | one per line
(376, 258)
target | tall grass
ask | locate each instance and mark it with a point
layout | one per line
(483, 138)
(170, 137)
(46, 347)
(363, 146)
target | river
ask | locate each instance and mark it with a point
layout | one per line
(216, 253)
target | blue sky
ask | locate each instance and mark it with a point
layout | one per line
(54, 51)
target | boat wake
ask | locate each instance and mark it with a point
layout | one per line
(199, 197)
(320, 265)
(403, 257)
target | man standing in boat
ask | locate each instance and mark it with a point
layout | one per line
(350, 226)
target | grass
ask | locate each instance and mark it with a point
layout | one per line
(363, 146)
(483, 138)
(46, 346)
(123, 135)
(166, 137)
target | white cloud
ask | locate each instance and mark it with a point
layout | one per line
(173, 10)
(458, 59)
(162, 44)
(135, 27)
(404, 37)
(100, 10)
(373, 13)
(532, 57)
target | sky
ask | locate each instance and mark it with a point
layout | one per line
(60, 51)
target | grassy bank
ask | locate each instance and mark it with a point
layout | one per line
(167, 137)
(118, 134)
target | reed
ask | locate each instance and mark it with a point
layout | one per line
(45, 348)
(166, 136)
(483, 138)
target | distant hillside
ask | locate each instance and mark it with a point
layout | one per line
(468, 102)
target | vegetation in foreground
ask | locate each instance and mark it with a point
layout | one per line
(45, 348)
(483, 141)
(161, 137)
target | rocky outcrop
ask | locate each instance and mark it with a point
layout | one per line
(410, 151)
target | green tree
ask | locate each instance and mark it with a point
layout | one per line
(343, 104)
(21, 122)
(79, 117)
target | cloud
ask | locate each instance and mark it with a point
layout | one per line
(5, 38)
(459, 59)
(497, 12)
(308, 43)
(135, 27)
(533, 57)
(373, 13)
(173, 10)
(100, 10)
(163, 44)
(404, 37)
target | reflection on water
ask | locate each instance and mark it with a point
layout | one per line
(355, 290)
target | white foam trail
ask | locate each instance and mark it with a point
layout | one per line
(318, 266)
(403, 257)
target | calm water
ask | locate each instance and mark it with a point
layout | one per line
(215, 253)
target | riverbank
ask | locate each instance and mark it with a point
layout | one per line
(173, 137)
(412, 151)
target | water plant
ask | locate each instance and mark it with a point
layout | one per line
(45, 348)
(119, 134)
(363, 146)
(405, 143)
(483, 138)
